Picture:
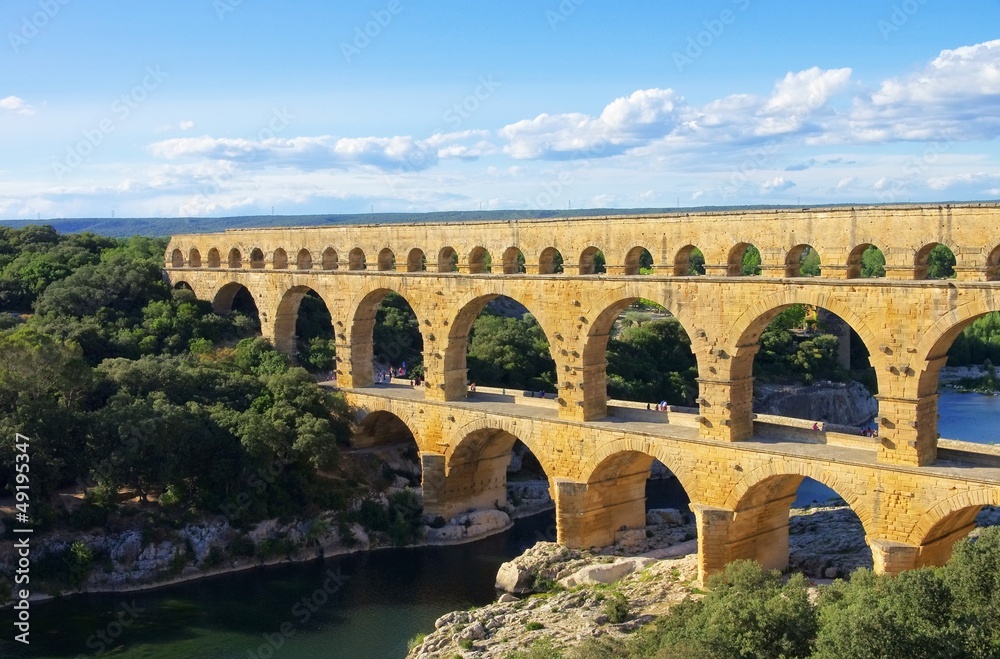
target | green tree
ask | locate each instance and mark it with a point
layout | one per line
(510, 352)
(940, 263)
(810, 266)
(872, 262)
(751, 261)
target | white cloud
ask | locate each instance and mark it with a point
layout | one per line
(955, 97)
(16, 105)
(308, 153)
(776, 184)
(186, 125)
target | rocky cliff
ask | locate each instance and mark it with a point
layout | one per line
(845, 403)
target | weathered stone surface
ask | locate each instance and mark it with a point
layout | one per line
(605, 574)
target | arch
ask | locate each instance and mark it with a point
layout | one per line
(480, 260)
(356, 260)
(937, 530)
(476, 467)
(933, 347)
(279, 260)
(177, 259)
(447, 260)
(762, 501)
(636, 259)
(594, 359)
(194, 258)
(457, 347)
(386, 260)
(214, 258)
(993, 265)
(360, 367)
(741, 260)
(689, 261)
(256, 258)
(380, 427)
(550, 262)
(934, 261)
(802, 261)
(304, 260)
(748, 327)
(592, 261)
(394, 408)
(287, 315)
(226, 298)
(416, 261)
(330, 259)
(183, 286)
(513, 261)
(235, 258)
(616, 478)
(856, 266)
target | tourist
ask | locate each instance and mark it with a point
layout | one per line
(815, 426)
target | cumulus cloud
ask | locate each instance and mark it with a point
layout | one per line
(776, 184)
(624, 123)
(309, 153)
(956, 96)
(16, 105)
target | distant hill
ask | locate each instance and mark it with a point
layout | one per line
(166, 226)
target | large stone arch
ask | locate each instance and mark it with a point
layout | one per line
(932, 350)
(392, 408)
(745, 332)
(355, 368)
(223, 294)
(535, 444)
(614, 497)
(937, 530)
(603, 314)
(476, 465)
(287, 313)
(761, 501)
(456, 345)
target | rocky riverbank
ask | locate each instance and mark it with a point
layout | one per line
(139, 556)
(555, 595)
(844, 403)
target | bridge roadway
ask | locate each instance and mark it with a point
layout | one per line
(740, 492)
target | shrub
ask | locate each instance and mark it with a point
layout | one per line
(616, 608)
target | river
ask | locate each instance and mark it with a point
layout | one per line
(373, 602)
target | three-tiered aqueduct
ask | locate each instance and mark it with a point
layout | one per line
(915, 496)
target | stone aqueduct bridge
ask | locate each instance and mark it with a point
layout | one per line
(914, 497)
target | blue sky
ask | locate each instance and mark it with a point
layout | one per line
(230, 107)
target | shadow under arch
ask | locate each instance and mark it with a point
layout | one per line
(949, 521)
(457, 346)
(233, 296)
(361, 321)
(615, 496)
(476, 467)
(762, 502)
(194, 258)
(993, 265)
(636, 259)
(287, 313)
(383, 425)
(594, 359)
